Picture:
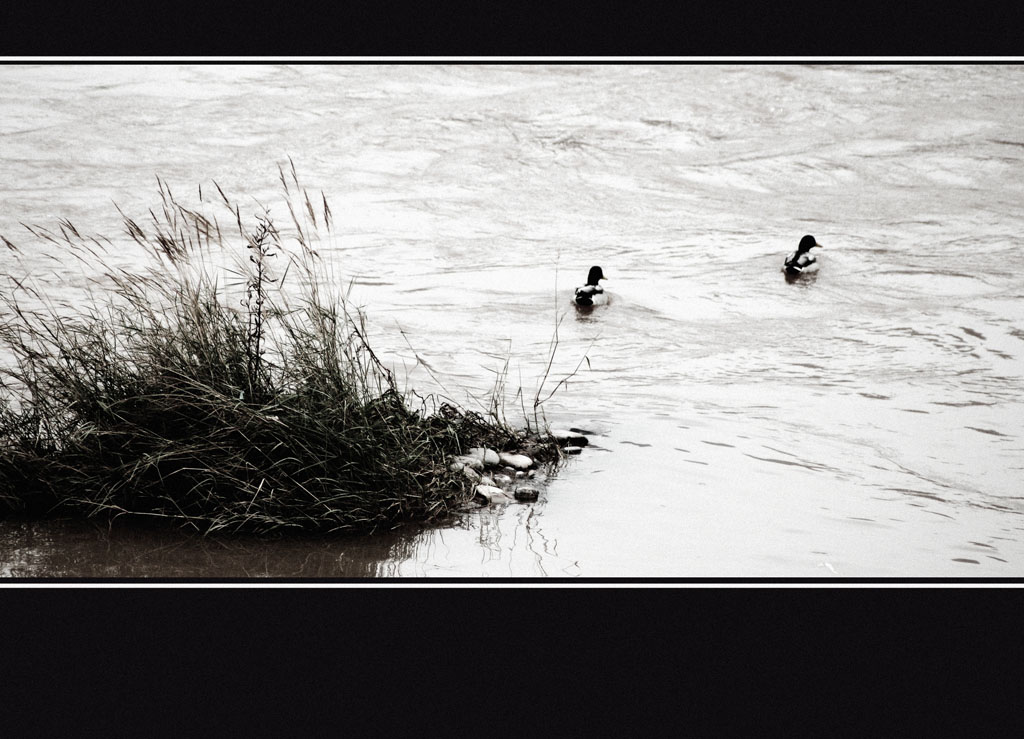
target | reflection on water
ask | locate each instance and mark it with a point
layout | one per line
(61, 548)
(74, 548)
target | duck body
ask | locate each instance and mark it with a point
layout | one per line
(592, 293)
(802, 261)
(798, 264)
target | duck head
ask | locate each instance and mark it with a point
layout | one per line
(594, 275)
(807, 243)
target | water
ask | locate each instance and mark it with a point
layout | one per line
(867, 421)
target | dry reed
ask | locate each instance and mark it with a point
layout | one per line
(208, 395)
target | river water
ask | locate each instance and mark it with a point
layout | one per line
(866, 421)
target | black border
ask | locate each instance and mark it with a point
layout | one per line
(559, 28)
(272, 663)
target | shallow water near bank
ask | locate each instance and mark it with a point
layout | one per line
(865, 421)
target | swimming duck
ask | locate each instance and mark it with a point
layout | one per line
(591, 293)
(801, 260)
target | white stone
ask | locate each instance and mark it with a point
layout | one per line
(516, 461)
(492, 494)
(573, 449)
(471, 474)
(563, 437)
(489, 481)
(502, 480)
(468, 461)
(489, 457)
(456, 466)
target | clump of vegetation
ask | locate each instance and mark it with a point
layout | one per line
(211, 396)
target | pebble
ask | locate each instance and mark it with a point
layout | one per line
(492, 494)
(525, 493)
(516, 461)
(564, 437)
(501, 479)
(471, 474)
(573, 449)
(488, 457)
(488, 481)
(467, 461)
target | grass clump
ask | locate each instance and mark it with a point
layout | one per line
(207, 394)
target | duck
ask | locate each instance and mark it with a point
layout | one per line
(801, 260)
(592, 293)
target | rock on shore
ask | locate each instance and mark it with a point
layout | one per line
(496, 476)
(489, 457)
(526, 494)
(566, 437)
(515, 461)
(492, 495)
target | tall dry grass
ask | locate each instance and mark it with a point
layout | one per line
(200, 390)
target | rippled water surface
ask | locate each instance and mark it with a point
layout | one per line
(864, 421)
